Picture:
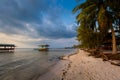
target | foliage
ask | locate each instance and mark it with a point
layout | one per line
(95, 18)
(88, 37)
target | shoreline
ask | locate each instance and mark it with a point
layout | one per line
(80, 66)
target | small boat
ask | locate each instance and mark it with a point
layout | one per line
(44, 47)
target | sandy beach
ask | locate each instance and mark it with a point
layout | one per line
(80, 66)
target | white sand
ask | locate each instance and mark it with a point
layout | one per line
(82, 67)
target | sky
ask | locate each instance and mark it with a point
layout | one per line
(28, 23)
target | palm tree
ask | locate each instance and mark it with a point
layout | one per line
(99, 16)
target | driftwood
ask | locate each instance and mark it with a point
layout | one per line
(105, 58)
(115, 62)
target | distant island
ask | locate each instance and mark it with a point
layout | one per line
(68, 47)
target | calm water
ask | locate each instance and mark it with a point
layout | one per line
(28, 64)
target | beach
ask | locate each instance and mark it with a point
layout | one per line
(80, 66)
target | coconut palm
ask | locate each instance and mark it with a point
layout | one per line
(99, 16)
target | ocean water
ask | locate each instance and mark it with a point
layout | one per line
(28, 64)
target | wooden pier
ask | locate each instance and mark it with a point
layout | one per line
(7, 48)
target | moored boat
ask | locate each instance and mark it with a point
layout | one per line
(44, 47)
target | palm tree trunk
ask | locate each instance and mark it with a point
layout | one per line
(114, 46)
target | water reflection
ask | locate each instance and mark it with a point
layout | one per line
(26, 64)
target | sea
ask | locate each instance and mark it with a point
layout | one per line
(29, 64)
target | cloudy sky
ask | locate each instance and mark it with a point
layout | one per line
(28, 23)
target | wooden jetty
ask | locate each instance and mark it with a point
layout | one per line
(4, 48)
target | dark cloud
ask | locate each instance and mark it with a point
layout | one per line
(34, 18)
(56, 31)
(25, 10)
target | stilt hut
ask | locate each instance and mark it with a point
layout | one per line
(7, 48)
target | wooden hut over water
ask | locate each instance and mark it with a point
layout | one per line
(44, 47)
(4, 48)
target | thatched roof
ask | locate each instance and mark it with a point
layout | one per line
(7, 45)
